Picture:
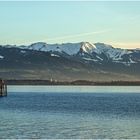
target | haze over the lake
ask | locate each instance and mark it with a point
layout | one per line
(116, 23)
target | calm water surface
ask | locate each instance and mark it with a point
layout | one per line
(70, 112)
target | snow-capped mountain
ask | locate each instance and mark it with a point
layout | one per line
(70, 58)
(97, 52)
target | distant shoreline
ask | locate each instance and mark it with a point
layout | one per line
(73, 83)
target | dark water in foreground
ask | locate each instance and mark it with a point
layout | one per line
(98, 114)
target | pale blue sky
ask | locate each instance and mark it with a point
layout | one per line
(116, 23)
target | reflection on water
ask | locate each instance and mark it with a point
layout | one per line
(77, 114)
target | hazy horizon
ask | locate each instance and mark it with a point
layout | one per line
(26, 22)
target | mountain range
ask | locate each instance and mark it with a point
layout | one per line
(69, 61)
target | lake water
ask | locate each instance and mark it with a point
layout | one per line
(76, 112)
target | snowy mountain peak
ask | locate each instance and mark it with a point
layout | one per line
(87, 47)
(110, 52)
(37, 46)
(102, 48)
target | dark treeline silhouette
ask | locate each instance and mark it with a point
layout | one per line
(77, 82)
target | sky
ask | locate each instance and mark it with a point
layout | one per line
(25, 22)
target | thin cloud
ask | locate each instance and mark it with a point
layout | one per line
(77, 35)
